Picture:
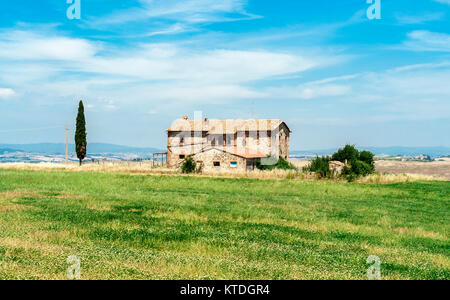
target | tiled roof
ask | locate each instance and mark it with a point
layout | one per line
(225, 126)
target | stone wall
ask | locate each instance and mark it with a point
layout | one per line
(208, 158)
(284, 140)
(183, 144)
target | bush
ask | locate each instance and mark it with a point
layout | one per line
(360, 163)
(320, 165)
(368, 158)
(285, 165)
(357, 169)
(281, 164)
(188, 165)
(346, 154)
(361, 168)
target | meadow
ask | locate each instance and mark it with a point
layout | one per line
(140, 226)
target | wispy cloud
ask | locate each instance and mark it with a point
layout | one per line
(30, 45)
(148, 73)
(173, 29)
(167, 62)
(174, 16)
(423, 40)
(420, 19)
(410, 93)
(6, 93)
(422, 66)
(443, 1)
(165, 71)
(308, 91)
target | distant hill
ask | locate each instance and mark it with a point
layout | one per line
(409, 151)
(8, 150)
(60, 148)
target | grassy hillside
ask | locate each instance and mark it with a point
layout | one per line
(156, 227)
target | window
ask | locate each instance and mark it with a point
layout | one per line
(216, 164)
(233, 164)
(181, 140)
(182, 156)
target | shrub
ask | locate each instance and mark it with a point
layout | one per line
(360, 163)
(320, 165)
(188, 165)
(281, 164)
(346, 154)
(285, 165)
(361, 168)
(368, 158)
(356, 169)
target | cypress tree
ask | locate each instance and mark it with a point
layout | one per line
(80, 134)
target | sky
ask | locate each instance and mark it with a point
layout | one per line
(333, 74)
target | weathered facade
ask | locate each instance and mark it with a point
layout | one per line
(226, 144)
(213, 159)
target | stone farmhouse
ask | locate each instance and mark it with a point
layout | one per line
(227, 145)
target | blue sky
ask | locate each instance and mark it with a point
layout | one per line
(322, 66)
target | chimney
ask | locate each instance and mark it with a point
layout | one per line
(185, 117)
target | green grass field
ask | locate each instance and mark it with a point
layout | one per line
(156, 227)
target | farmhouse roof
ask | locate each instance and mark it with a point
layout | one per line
(225, 126)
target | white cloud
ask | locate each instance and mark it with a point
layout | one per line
(423, 40)
(413, 92)
(422, 66)
(221, 66)
(309, 91)
(145, 62)
(420, 19)
(6, 93)
(324, 91)
(334, 79)
(141, 73)
(180, 12)
(416, 92)
(194, 93)
(114, 78)
(25, 45)
(193, 11)
(443, 1)
(173, 29)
